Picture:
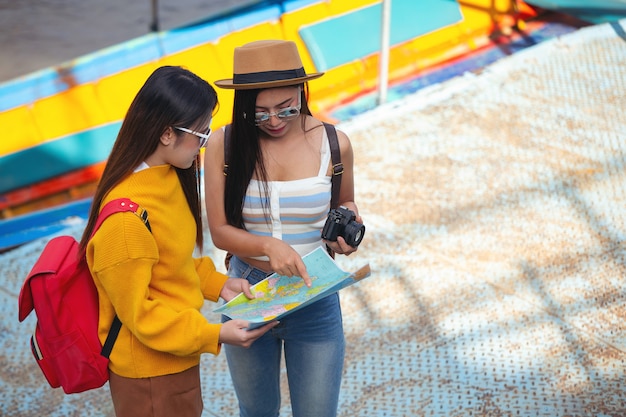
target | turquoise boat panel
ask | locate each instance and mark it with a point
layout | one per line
(331, 45)
(57, 157)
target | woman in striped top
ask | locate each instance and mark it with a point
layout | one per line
(268, 211)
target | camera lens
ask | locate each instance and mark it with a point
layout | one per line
(353, 233)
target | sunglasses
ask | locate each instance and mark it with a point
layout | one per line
(288, 113)
(204, 137)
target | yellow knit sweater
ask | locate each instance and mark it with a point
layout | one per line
(152, 281)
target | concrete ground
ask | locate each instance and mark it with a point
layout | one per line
(494, 206)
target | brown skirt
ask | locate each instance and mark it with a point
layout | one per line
(177, 395)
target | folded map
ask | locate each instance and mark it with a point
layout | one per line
(279, 295)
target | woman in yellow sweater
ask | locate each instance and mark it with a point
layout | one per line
(149, 278)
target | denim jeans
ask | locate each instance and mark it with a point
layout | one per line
(314, 346)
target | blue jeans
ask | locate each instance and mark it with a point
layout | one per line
(314, 351)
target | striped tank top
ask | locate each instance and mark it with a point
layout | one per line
(294, 211)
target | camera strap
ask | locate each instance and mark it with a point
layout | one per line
(335, 156)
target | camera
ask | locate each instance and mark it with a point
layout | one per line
(340, 222)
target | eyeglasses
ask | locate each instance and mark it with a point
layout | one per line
(288, 113)
(204, 137)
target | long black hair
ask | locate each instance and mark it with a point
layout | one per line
(245, 158)
(171, 96)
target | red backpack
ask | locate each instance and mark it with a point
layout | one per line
(61, 290)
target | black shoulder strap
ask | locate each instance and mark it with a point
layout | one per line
(110, 340)
(227, 130)
(114, 331)
(335, 155)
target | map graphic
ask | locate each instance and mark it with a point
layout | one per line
(279, 295)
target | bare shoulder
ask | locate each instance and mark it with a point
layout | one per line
(216, 140)
(217, 137)
(342, 137)
(344, 141)
(215, 146)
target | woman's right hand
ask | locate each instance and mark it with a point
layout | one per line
(235, 332)
(284, 260)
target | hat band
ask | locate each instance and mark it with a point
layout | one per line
(267, 76)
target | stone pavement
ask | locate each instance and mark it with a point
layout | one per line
(494, 206)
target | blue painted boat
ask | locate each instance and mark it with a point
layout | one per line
(26, 228)
(594, 11)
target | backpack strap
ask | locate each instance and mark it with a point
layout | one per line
(335, 156)
(114, 331)
(121, 205)
(112, 207)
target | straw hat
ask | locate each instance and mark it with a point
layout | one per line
(265, 64)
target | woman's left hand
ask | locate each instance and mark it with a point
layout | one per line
(235, 286)
(340, 246)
